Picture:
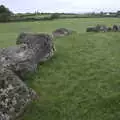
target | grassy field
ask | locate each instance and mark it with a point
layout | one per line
(82, 80)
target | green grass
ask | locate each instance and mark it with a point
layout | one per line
(37, 16)
(82, 80)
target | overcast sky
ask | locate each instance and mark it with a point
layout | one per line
(62, 5)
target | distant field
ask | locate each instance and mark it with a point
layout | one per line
(82, 81)
(9, 31)
(37, 16)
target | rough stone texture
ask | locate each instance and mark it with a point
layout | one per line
(62, 32)
(19, 59)
(91, 29)
(15, 62)
(109, 29)
(33, 49)
(14, 95)
(102, 28)
(41, 44)
(116, 28)
(97, 28)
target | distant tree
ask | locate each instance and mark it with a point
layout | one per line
(93, 13)
(5, 14)
(118, 13)
(55, 16)
(101, 13)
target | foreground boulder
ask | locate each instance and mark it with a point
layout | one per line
(62, 32)
(15, 62)
(14, 95)
(33, 49)
(19, 59)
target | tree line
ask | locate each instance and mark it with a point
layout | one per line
(8, 16)
(5, 14)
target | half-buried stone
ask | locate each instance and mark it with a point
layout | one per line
(62, 32)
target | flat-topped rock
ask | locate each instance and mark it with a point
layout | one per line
(62, 32)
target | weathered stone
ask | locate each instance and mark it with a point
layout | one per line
(118, 28)
(15, 62)
(33, 49)
(14, 95)
(103, 28)
(62, 32)
(91, 29)
(18, 59)
(109, 29)
(97, 28)
(115, 28)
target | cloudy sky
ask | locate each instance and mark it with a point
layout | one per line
(62, 5)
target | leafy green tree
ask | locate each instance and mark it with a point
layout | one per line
(5, 14)
(118, 13)
(55, 16)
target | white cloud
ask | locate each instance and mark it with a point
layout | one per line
(62, 5)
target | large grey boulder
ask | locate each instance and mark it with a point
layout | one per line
(14, 95)
(33, 49)
(116, 28)
(40, 43)
(19, 59)
(62, 32)
(109, 29)
(91, 29)
(97, 28)
(15, 62)
(103, 28)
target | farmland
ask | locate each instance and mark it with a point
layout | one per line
(82, 80)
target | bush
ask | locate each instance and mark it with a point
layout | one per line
(4, 17)
(5, 14)
(55, 16)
